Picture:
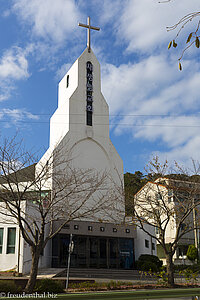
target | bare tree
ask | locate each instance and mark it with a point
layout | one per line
(34, 196)
(170, 205)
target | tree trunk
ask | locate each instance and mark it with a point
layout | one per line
(170, 269)
(34, 270)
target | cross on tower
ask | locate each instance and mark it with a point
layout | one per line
(88, 26)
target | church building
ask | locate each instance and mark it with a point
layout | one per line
(80, 126)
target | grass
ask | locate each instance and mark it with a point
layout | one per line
(147, 294)
(127, 295)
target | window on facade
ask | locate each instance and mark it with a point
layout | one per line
(76, 227)
(170, 199)
(127, 230)
(157, 230)
(170, 196)
(1, 239)
(158, 196)
(146, 243)
(67, 81)
(45, 199)
(153, 246)
(170, 193)
(102, 228)
(114, 229)
(11, 240)
(66, 226)
(89, 228)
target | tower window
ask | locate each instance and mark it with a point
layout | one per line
(89, 118)
(67, 81)
(89, 93)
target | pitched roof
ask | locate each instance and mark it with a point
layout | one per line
(22, 175)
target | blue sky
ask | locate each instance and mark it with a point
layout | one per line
(154, 108)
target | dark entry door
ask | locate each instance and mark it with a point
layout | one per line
(64, 246)
(93, 252)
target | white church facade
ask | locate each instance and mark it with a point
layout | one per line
(80, 127)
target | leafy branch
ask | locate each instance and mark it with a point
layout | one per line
(193, 37)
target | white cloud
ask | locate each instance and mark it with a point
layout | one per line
(6, 13)
(132, 85)
(108, 10)
(143, 23)
(157, 103)
(13, 66)
(153, 85)
(8, 116)
(184, 153)
(62, 71)
(50, 19)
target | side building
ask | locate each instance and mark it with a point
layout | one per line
(171, 206)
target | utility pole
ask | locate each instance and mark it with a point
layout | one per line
(71, 248)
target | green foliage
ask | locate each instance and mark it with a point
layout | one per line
(162, 277)
(9, 286)
(189, 37)
(189, 275)
(48, 285)
(197, 42)
(149, 266)
(194, 268)
(84, 285)
(174, 44)
(170, 44)
(88, 285)
(132, 183)
(146, 261)
(192, 253)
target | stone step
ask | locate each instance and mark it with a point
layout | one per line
(101, 273)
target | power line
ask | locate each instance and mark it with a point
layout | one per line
(101, 115)
(106, 124)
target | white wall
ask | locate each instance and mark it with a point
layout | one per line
(140, 242)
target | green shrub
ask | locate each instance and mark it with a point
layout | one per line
(151, 259)
(48, 285)
(162, 278)
(192, 253)
(194, 268)
(149, 266)
(190, 276)
(9, 286)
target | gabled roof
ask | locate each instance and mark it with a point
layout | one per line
(175, 184)
(22, 175)
(150, 182)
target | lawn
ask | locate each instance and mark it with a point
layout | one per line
(126, 295)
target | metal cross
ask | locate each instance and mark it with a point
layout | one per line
(88, 26)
